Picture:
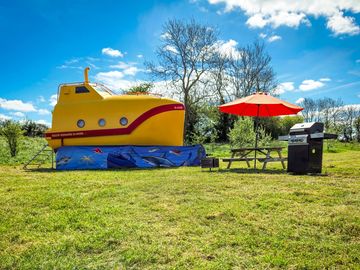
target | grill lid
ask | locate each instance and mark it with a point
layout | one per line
(307, 128)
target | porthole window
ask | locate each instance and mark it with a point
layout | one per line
(123, 121)
(102, 122)
(81, 123)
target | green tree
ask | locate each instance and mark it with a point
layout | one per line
(287, 122)
(142, 88)
(33, 129)
(243, 134)
(272, 125)
(12, 133)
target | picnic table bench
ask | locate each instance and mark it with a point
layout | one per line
(242, 154)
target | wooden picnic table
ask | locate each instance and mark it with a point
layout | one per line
(243, 154)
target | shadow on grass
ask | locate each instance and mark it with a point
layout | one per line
(249, 171)
(222, 171)
(44, 170)
(260, 171)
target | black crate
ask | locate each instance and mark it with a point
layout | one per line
(209, 163)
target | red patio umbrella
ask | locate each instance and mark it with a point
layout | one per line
(258, 105)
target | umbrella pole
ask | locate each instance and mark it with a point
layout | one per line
(256, 131)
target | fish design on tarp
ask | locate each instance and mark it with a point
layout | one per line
(187, 161)
(87, 160)
(159, 161)
(103, 157)
(63, 160)
(120, 160)
(175, 152)
(97, 150)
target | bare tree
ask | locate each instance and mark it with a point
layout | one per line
(357, 127)
(251, 70)
(219, 81)
(335, 112)
(310, 109)
(184, 56)
(328, 111)
(219, 78)
(350, 113)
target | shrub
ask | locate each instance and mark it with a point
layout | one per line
(243, 134)
(12, 133)
(33, 129)
(141, 89)
(287, 122)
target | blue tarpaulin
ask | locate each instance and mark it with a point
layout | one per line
(106, 157)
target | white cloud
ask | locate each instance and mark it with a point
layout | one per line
(110, 74)
(70, 67)
(43, 112)
(325, 79)
(165, 36)
(53, 100)
(340, 24)
(16, 105)
(290, 19)
(170, 48)
(228, 48)
(18, 114)
(127, 68)
(262, 35)
(139, 56)
(283, 18)
(112, 52)
(283, 87)
(93, 59)
(131, 71)
(349, 106)
(72, 61)
(256, 21)
(308, 85)
(114, 80)
(292, 13)
(43, 122)
(354, 72)
(4, 117)
(41, 99)
(122, 65)
(92, 65)
(274, 38)
(300, 100)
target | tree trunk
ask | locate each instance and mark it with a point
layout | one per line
(186, 120)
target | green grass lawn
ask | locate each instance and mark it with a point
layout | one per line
(182, 218)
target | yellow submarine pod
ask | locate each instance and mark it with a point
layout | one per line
(89, 114)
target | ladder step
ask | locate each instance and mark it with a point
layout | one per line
(43, 152)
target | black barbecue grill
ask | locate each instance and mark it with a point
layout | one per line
(305, 147)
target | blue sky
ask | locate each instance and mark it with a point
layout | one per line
(314, 44)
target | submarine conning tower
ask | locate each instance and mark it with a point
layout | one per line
(82, 91)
